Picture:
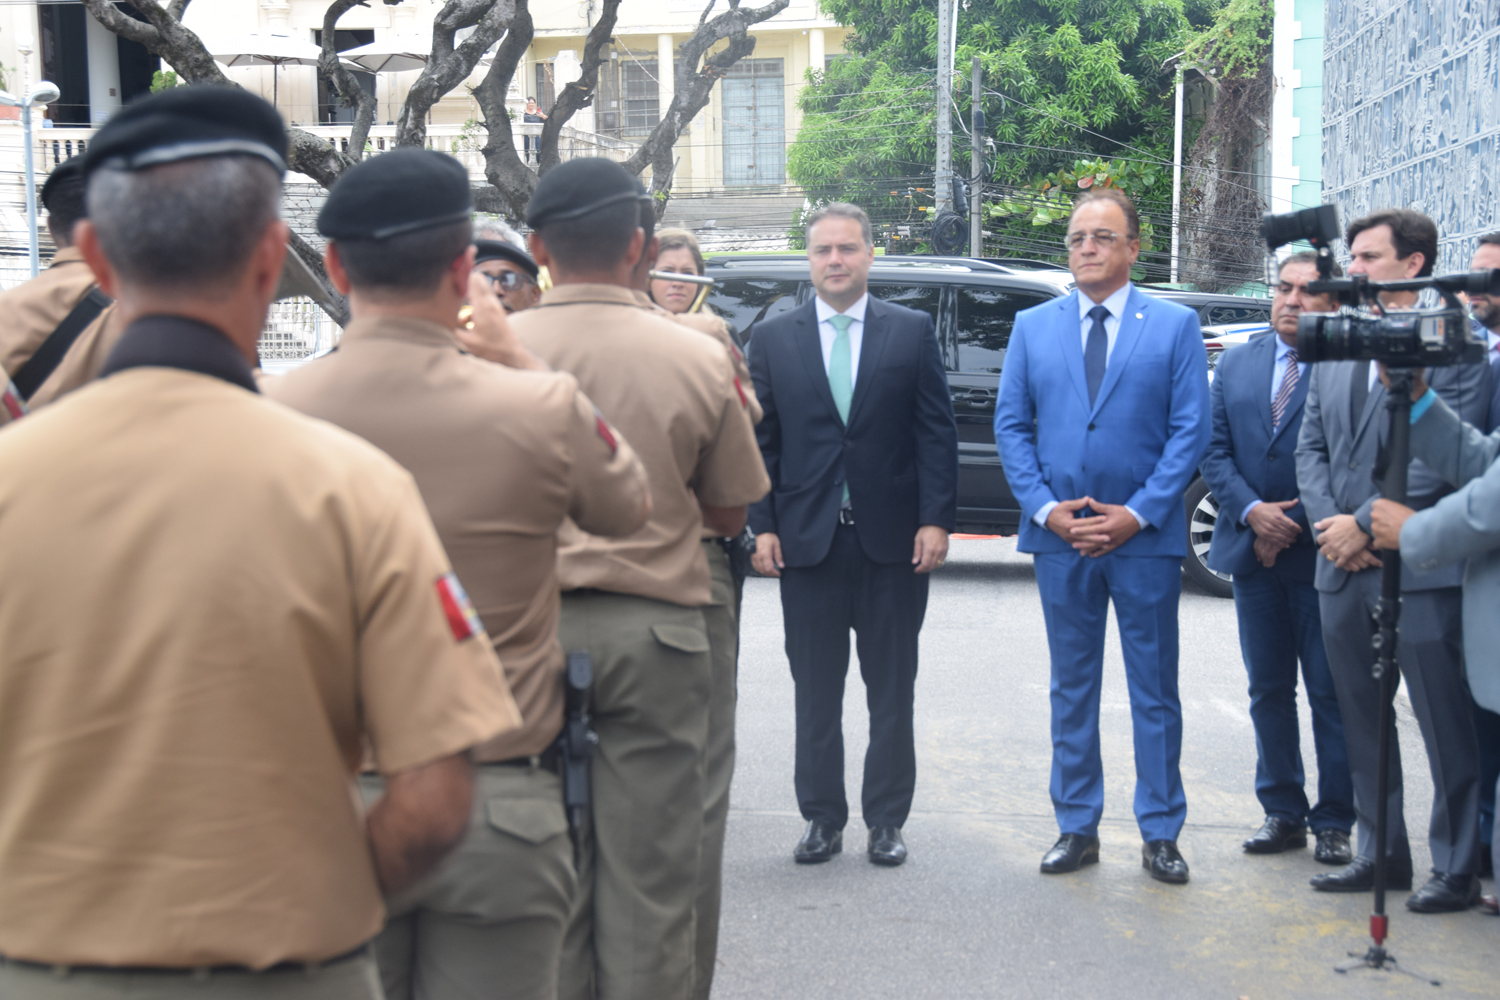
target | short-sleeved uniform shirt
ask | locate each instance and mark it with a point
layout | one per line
(32, 310)
(210, 604)
(502, 458)
(713, 326)
(671, 391)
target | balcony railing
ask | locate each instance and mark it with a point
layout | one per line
(54, 145)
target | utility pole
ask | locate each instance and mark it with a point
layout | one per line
(1177, 173)
(976, 168)
(943, 182)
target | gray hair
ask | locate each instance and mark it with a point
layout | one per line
(1306, 257)
(184, 225)
(494, 229)
(840, 210)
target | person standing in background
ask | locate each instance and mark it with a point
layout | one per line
(1264, 541)
(1101, 420)
(862, 448)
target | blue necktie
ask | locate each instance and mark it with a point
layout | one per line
(1096, 352)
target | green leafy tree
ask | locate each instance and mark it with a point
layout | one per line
(163, 79)
(1066, 82)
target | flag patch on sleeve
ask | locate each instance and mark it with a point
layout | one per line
(462, 618)
(10, 398)
(605, 433)
(744, 400)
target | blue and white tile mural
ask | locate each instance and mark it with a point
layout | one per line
(1411, 113)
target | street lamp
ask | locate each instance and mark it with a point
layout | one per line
(44, 92)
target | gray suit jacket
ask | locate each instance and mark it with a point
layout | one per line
(1463, 525)
(1337, 451)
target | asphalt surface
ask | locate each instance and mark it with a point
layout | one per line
(969, 915)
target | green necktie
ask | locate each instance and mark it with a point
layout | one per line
(841, 372)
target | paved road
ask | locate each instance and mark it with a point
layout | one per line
(969, 915)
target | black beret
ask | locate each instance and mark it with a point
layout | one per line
(391, 194)
(70, 169)
(188, 123)
(579, 187)
(501, 250)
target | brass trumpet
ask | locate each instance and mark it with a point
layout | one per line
(705, 284)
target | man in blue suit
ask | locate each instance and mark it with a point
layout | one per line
(1263, 540)
(1101, 421)
(862, 449)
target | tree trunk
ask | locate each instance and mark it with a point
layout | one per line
(512, 180)
(449, 65)
(693, 88)
(578, 93)
(350, 93)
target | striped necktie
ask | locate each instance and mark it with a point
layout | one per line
(1288, 386)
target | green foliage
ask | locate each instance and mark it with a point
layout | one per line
(1048, 200)
(163, 80)
(469, 137)
(1235, 47)
(1082, 79)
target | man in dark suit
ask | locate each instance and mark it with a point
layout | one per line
(1263, 540)
(1343, 430)
(861, 445)
(1101, 420)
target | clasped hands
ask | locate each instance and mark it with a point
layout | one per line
(1111, 526)
(1343, 542)
(1274, 531)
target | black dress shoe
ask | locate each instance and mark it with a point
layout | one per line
(1359, 876)
(1333, 848)
(886, 846)
(820, 841)
(1276, 835)
(1071, 852)
(1162, 860)
(1445, 893)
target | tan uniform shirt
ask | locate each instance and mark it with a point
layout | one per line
(671, 391)
(502, 457)
(209, 602)
(715, 327)
(31, 311)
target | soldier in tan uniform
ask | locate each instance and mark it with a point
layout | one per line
(503, 457)
(722, 614)
(213, 606)
(57, 328)
(636, 603)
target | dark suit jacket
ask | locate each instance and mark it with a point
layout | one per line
(1246, 460)
(899, 452)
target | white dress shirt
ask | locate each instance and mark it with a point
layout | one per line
(1115, 303)
(826, 332)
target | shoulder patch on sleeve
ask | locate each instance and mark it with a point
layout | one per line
(459, 610)
(10, 400)
(605, 433)
(744, 400)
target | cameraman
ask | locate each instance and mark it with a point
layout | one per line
(1463, 525)
(1343, 430)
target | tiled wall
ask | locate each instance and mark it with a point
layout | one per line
(1411, 113)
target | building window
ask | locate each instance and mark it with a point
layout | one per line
(627, 104)
(544, 94)
(330, 111)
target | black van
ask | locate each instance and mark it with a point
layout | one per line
(974, 304)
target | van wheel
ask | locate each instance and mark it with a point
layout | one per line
(1202, 514)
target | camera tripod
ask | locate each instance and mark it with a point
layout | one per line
(1388, 617)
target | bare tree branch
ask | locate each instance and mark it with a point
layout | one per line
(513, 181)
(449, 65)
(350, 93)
(177, 8)
(693, 86)
(578, 93)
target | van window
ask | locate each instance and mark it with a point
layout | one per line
(924, 298)
(1218, 315)
(985, 318)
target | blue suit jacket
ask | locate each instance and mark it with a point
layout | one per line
(899, 451)
(1139, 444)
(1246, 460)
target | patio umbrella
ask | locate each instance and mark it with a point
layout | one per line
(262, 48)
(392, 54)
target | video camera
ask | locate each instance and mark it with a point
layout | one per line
(1361, 330)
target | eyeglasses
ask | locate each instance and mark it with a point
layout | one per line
(1103, 239)
(508, 281)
